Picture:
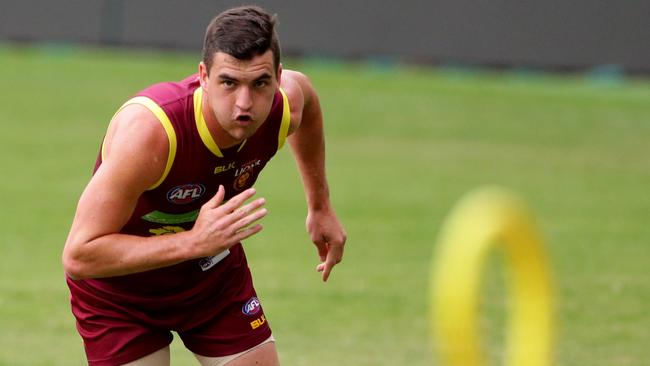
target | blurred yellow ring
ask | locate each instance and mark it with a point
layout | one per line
(482, 220)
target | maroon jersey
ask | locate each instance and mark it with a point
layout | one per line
(195, 168)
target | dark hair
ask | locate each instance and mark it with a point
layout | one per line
(242, 32)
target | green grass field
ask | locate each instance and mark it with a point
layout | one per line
(403, 146)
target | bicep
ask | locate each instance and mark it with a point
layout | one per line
(104, 207)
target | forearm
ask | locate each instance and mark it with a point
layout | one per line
(121, 254)
(218, 227)
(308, 145)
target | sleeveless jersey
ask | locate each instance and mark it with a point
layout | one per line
(195, 168)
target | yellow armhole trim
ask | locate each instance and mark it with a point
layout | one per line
(201, 126)
(167, 125)
(286, 120)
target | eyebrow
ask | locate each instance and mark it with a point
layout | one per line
(224, 76)
(264, 76)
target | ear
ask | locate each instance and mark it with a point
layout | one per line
(203, 75)
(279, 73)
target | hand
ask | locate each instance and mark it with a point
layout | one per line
(329, 236)
(220, 226)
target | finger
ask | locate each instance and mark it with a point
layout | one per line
(246, 233)
(325, 268)
(247, 220)
(216, 200)
(335, 253)
(250, 207)
(321, 247)
(238, 200)
(334, 256)
(243, 211)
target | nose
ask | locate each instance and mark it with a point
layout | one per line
(244, 100)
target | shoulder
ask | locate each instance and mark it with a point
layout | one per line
(136, 142)
(298, 87)
(134, 122)
(300, 92)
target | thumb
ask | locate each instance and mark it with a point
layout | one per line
(215, 201)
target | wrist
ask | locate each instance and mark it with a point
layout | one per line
(318, 199)
(190, 247)
(319, 205)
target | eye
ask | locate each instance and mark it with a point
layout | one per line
(227, 83)
(261, 84)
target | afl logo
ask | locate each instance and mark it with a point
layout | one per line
(186, 193)
(252, 306)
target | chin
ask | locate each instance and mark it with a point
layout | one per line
(240, 135)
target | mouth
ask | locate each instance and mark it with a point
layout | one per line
(244, 120)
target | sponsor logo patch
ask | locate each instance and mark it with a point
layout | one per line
(252, 306)
(258, 322)
(185, 193)
(224, 168)
(209, 262)
(166, 230)
(240, 181)
(244, 173)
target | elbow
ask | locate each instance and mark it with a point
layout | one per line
(72, 265)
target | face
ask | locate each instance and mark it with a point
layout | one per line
(238, 94)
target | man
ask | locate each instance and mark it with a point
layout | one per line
(180, 159)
